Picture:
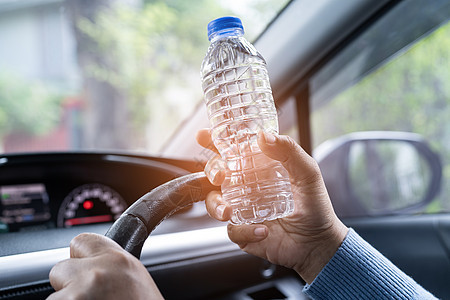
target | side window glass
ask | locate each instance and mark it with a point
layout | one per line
(392, 78)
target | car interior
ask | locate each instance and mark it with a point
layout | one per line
(362, 86)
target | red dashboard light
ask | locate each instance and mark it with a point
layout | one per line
(88, 204)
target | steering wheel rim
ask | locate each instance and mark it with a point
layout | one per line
(134, 226)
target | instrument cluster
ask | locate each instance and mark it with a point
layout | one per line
(26, 205)
(72, 189)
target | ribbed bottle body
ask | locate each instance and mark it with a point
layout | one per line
(239, 103)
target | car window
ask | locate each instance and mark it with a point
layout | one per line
(116, 75)
(392, 77)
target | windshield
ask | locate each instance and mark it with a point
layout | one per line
(106, 75)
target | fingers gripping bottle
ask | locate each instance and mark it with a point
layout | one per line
(239, 103)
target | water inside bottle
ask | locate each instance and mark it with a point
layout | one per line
(239, 104)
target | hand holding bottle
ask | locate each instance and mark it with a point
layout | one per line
(305, 240)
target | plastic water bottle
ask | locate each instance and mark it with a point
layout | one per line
(239, 103)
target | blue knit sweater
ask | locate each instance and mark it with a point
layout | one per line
(359, 271)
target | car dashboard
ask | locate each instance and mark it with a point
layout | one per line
(47, 199)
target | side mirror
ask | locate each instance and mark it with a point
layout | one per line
(379, 173)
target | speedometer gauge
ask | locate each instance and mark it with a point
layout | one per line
(89, 204)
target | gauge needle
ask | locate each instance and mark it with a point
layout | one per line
(88, 220)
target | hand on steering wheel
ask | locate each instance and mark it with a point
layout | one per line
(99, 268)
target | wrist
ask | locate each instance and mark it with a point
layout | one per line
(321, 254)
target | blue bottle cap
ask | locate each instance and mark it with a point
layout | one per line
(223, 25)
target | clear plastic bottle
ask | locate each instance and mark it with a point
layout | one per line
(239, 103)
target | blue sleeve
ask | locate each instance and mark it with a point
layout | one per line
(359, 271)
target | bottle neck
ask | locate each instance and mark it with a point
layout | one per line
(226, 33)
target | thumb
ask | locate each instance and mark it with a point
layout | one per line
(294, 159)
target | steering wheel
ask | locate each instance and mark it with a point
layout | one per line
(135, 225)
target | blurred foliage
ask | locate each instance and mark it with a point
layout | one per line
(29, 107)
(409, 93)
(148, 50)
